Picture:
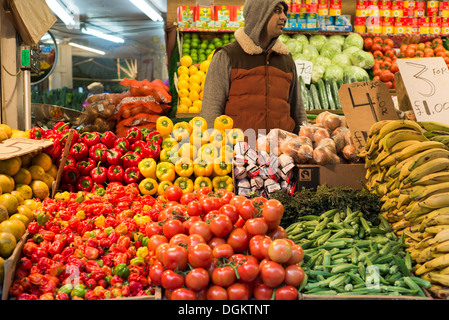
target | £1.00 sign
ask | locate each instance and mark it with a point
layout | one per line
(427, 83)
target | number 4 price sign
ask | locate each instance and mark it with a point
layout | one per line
(365, 103)
(427, 83)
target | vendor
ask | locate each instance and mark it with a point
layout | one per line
(254, 79)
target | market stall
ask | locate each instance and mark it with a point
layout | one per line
(135, 197)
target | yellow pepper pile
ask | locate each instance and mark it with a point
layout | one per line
(192, 156)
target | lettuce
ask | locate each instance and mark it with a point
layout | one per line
(362, 59)
(318, 41)
(333, 72)
(302, 38)
(317, 73)
(294, 46)
(310, 52)
(349, 51)
(353, 40)
(330, 49)
(355, 72)
(322, 61)
(342, 60)
(336, 38)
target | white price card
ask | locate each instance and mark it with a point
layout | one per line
(19, 146)
(427, 83)
(304, 70)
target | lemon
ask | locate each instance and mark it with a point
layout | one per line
(183, 70)
(53, 171)
(182, 108)
(10, 166)
(202, 76)
(32, 204)
(19, 133)
(10, 202)
(183, 93)
(3, 135)
(15, 227)
(183, 84)
(186, 101)
(201, 95)
(8, 243)
(4, 215)
(195, 79)
(204, 66)
(7, 129)
(209, 57)
(43, 160)
(24, 210)
(40, 189)
(193, 69)
(18, 196)
(25, 190)
(22, 177)
(48, 179)
(183, 77)
(7, 183)
(37, 172)
(193, 96)
(186, 61)
(194, 109)
(195, 87)
(197, 104)
(26, 159)
(20, 217)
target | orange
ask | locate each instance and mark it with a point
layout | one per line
(7, 245)
(14, 227)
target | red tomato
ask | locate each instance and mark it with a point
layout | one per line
(201, 228)
(172, 280)
(175, 257)
(247, 209)
(193, 240)
(237, 200)
(225, 195)
(155, 273)
(194, 208)
(215, 241)
(188, 223)
(264, 245)
(286, 293)
(172, 227)
(367, 43)
(248, 270)
(223, 276)
(187, 197)
(263, 292)
(183, 294)
(294, 275)
(273, 210)
(386, 75)
(238, 239)
(278, 233)
(208, 204)
(179, 238)
(155, 240)
(221, 225)
(297, 255)
(272, 273)
(256, 226)
(280, 251)
(222, 251)
(389, 42)
(153, 228)
(376, 47)
(173, 193)
(238, 291)
(203, 191)
(197, 279)
(378, 40)
(254, 247)
(200, 256)
(231, 211)
(161, 250)
(216, 293)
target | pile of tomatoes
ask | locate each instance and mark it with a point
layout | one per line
(201, 245)
(229, 248)
(385, 65)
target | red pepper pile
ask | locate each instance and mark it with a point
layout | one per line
(97, 159)
(86, 249)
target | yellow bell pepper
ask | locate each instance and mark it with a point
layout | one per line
(199, 138)
(223, 182)
(142, 252)
(217, 138)
(168, 143)
(185, 184)
(183, 124)
(187, 150)
(165, 171)
(227, 152)
(184, 167)
(148, 186)
(147, 168)
(223, 122)
(162, 186)
(181, 131)
(202, 167)
(141, 220)
(208, 151)
(169, 155)
(234, 135)
(198, 123)
(164, 125)
(202, 182)
(222, 166)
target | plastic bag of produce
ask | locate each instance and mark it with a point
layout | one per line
(328, 120)
(143, 88)
(339, 137)
(276, 137)
(300, 148)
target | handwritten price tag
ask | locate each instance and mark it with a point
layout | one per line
(20, 146)
(365, 103)
(427, 81)
(304, 70)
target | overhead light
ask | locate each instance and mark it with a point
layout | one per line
(152, 13)
(87, 48)
(61, 12)
(102, 35)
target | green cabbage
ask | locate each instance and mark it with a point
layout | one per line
(302, 38)
(294, 46)
(349, 51)
(310, 52)
(355, 72)
(337, 39)
(317, 73)
(318, 41)
(342, 60)
(333, 72)
(353, 40)
(362, 59)
(330, 49)
(299, 56)
(322, 61)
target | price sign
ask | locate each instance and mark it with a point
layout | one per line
(304, 70)
(20, 146)
(427, 81)
(365, 103)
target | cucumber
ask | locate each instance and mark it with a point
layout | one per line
(353, 80)
(339, 83)
(304, 92)
(346, 79)
(330, 99)
(322, 95)
(334, 89)
(315, 99)
(309, 97)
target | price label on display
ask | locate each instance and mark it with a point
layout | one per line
(427, 81)
(304, 70)
(365, 103)
(19, 146)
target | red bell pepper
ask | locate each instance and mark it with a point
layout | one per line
(131, 159)
(154, 149)
(91, 138)
(122, 143)
(79, 151)
(98, 152)
(114, 156)
(67, 187)
(132, 175)
(133, 134)
(115, 173)
(86, 166)
(65, 136)
(99, 174)
(155, 137)
(55, 150)
(68, 161)
(108, 139)
(70, 174)
(141, 148)
(36, 133)
(84, 183)
(59, 127)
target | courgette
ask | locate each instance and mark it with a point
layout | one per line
(322, 94)
(330, 99)
(315, 99)
(334, 89)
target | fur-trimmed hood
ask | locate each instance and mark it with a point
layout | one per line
(251, 48)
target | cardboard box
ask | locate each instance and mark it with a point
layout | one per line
(338, 175)
(204, 17)
(222, 17)
(186, 16)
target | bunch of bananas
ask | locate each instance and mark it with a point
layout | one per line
(409, 172)
(436, 131)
